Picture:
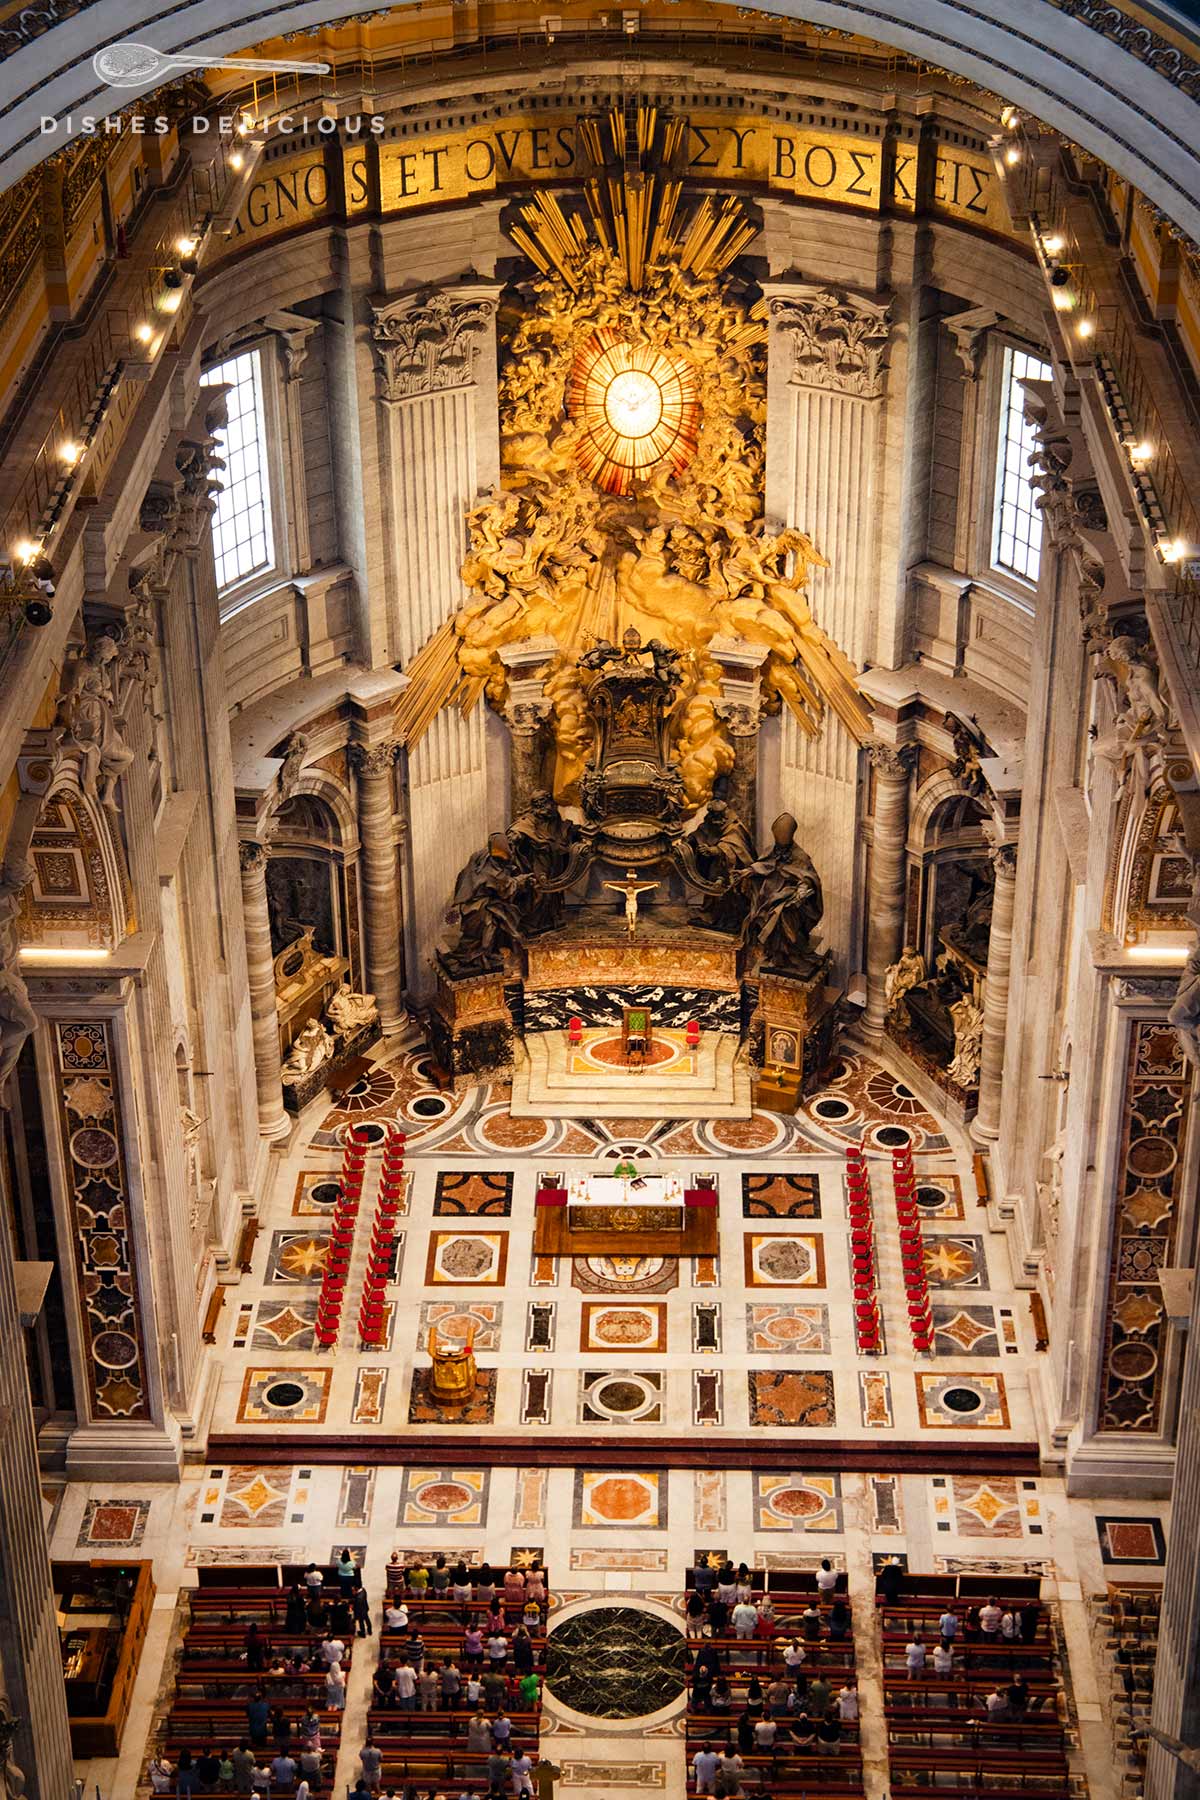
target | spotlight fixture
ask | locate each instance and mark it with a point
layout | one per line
(1084, 328)
(38, 612)
(69, 453)
(143, 332)
(1052, 244)
(172, 278)
(186, 246)
(1059, 277)
(237, 162)
(189, 264)
(1140, 451)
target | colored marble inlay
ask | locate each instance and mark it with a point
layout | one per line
(771, 1196)
(255, 1498)
(962, 1402)
(955, 1261)
(473, 1193)
(370, 1392)
(709, 1500)
(875, 1399)
(297, 1257)
(965, 1331)
(469, 1259)
(797, 1502)
(109, 1522)
(294, 1396)
(605, 1326)
(624, 1274)
(456, 1320)
(801, 1397)
(109, 1303)
(785, 1329)
(779, 1261)
(1150, 1175)
(444, 1497)
(620, 1501)
(1131, 1540)
(624, 1397)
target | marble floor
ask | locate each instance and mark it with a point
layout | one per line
(851, 1456)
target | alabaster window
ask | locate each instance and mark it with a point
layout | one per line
(1016, 521)
(244, 535)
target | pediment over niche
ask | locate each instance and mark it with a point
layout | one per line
(77, 893)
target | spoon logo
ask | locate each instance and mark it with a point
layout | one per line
(130, 65)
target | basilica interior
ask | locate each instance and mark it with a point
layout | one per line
(600, 652)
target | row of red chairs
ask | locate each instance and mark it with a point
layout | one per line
(341, 1240)
(912, 1250)
(373, 1309)
(864, 1269)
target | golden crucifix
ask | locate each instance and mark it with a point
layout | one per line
(631, 887)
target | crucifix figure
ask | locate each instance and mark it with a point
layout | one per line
(631, 888)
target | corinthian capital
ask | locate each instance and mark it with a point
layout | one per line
(252, 855)
(428, 342)
(374, 759)
(839, 339)
(891, 761)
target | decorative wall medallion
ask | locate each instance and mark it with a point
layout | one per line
(1154, 1130)
(616, 1662)
(109, 1303)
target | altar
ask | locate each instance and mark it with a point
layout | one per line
(621, 1213)
(622, 1203)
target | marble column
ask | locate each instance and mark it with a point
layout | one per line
(528, 713)
(273, 1121)
(986, 1125)
(374, 764)
(886, 887)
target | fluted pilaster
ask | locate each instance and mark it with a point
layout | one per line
(260, 979)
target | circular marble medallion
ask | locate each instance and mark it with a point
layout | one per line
(283, 1394)
(444, 1496)
(616, 1662)
(1151, 1157)
(931, 1196)
(894, 1136)
(962, 1400)
(325, 1193)
(1132, 1361)
(629, 1326)
(797, 1503)
(114, 1349)
(94, 1147)
(832, 1108)
(430, 1106)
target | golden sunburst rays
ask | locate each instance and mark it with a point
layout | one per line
(637, 406)
(635, 208)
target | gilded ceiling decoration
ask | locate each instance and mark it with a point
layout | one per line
(632, 408)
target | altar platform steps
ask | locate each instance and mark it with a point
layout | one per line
(555, 1079)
